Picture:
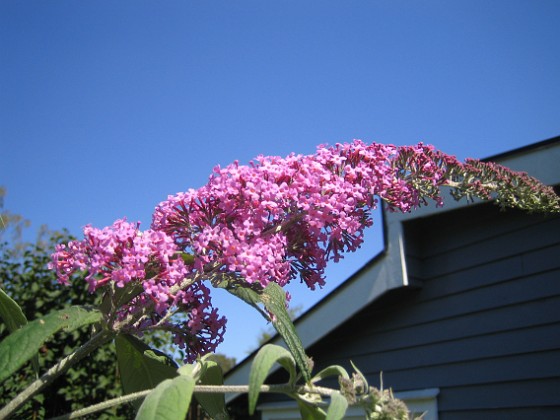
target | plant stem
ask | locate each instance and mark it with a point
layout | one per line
(103, 405)
(203, 389)
(54, 372)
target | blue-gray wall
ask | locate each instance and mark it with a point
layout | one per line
(484, 324)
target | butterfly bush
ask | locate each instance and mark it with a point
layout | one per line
(274, 220)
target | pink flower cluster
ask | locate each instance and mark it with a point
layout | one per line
(280, 218)
(274, 220)
(277, 219)
(121, 254)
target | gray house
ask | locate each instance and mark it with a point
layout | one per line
(461, 311)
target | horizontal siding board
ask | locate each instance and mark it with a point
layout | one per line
(544, 285)
(547, 258)
(536, 413)
(514, 243)
(528, 264)
(496, 295)
(522, 394)
(447, 231)
(471, 278)
(529, 340)
(539, 365)
(362, 335)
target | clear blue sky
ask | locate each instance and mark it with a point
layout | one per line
(106, 107)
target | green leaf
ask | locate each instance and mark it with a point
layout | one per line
(265, 358)
(170, 400)
(23, 344)
(11, 313)
(246, 294)
(14, 318)
(187, 370)
(333, 370)
(214, 404)
(140, 366)
(310, 411)
(274, 299)
(337, 407)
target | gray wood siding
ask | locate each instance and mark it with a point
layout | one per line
(484, 327)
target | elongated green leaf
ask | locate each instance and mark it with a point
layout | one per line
(141, 367)
(214, 404)
(11, 313)
(338, 406)
(274, 299)
(265, 358)
(170, 400)
(333, 370)
(23, 344)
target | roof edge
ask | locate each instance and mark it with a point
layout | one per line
(523, 149)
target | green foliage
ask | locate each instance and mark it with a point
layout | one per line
(169, 400)
(214, 404)
(140, 366)
(337, 407)
(24, 343)
(333, 370)
(263, 362)
(310, 411)
(266, 334)
(11, 313)
(274, 299)
(25, 278)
